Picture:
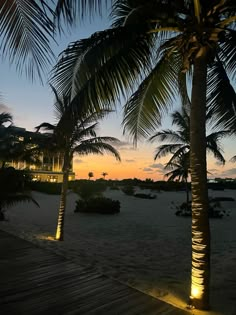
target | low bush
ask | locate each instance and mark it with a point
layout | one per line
(145, 196)
(88, 189)
(214, 211)
(47, 188)
(98, 205)
(128, 190)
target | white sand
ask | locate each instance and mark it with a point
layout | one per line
(146, 245)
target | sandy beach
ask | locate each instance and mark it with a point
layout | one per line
(146, 246)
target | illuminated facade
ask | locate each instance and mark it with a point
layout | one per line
(49, 168)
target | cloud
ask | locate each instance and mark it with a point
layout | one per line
(125, 146)
(213, 170)
(218, 163)
(78, 161)
(229, 172)
(157, 165)
(130, 161)
(147, 169)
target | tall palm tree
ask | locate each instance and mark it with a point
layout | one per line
(74, 135)
(160, 44)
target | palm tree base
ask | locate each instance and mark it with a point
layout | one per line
(199, 304)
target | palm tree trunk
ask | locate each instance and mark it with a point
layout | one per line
(200, 278)
(62, 206)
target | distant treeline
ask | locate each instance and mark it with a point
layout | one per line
(55, 188)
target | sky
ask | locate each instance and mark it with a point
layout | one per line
(31, 103)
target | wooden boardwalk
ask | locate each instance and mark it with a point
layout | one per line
(36, 281)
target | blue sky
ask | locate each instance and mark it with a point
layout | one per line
(32, 103)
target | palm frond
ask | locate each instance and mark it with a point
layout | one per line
(10, 200)
(45, 126)
(165, 149)
(221, 97)
(96, 70)
(167, 135)
(155, 95)
(227, 52)
(91, 146)
(71, 11)
(26, 31)
(233, 159)
(5, 118)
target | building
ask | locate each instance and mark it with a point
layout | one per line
(48, 167)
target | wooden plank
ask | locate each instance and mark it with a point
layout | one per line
(36, 281)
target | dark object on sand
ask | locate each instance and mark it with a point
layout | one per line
(98, 205)
(145, 196)
(222, 199)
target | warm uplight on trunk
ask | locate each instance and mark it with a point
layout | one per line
(200, 278)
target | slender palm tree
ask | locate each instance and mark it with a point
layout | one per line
(90, 175)
(74, 135)
(104, 174)
(158, 45)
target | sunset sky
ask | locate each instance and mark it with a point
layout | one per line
(32, 103)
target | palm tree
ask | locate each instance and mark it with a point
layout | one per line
(179, 141)
(160, 44)
(104, 174)
(74, 135)
(90, 175)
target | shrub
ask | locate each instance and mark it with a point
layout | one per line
(145, 196)
(214, 211)
(98, 205)
(88, 189)
(47, 188)
(128, 190)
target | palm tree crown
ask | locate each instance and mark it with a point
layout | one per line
(179, 141)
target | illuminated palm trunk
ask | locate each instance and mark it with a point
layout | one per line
(62, 206)
(200, 277)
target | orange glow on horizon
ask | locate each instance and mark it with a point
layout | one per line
(134, 164)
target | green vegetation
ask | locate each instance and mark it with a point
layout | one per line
(214, 210)
(98, 205)
(87, 189)
(46, 187)
(14, 189)
(128, 190)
